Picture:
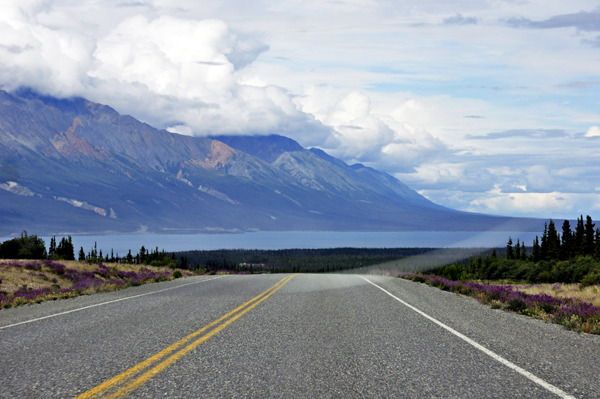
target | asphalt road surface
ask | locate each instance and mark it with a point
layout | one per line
(289, 336)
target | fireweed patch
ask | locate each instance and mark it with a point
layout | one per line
(51, 275)
(571, 313)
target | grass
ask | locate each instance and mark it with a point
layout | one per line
(590, 294)
(570, 305)
(24, 281)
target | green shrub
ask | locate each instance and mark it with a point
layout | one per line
(516, 305)
(177, 274)
(590, 279)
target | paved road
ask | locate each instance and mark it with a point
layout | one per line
(309, 336)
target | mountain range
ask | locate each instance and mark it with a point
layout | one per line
(71, 166)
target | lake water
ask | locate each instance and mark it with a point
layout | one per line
(121, 244)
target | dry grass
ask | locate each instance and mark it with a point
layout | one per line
(590, 294)
(14, 278)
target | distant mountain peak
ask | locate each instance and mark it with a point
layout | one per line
(267, 148)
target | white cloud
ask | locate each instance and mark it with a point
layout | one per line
(186, 63)
(54, 61)
(593, 131)
(378, 140)
(558, 205)
(166, 71)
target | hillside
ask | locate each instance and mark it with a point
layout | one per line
(73, 166)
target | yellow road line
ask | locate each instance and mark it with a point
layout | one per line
(128, 374)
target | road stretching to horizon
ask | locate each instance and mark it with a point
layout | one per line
(289, 336)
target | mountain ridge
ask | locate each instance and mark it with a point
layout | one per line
(74, 165)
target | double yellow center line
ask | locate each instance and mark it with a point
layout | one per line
(126, 382)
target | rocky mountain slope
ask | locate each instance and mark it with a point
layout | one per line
(73, 166)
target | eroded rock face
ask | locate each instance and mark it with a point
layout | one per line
(71, 146)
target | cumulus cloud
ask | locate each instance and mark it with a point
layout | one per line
(593, 131)
(53, 61)
(378, 140)
(176, 73)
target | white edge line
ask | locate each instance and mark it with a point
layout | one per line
(485, 350)
(105, 303)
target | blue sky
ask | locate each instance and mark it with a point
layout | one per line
(485, 106)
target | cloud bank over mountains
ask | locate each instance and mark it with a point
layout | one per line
(488, 106)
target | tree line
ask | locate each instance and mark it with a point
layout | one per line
(572, 256)
(33, 247)
(295, 260)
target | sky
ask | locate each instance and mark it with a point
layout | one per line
(483, 106)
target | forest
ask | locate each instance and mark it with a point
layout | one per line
(566, 257)
(295, 260)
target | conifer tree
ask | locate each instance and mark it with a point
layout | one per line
(579, 245)
(544, 245)
(518, 249)
(129, 257)
(509, 249)
(597, 245)
(536, 253)
(566, 247)
(589, 236)
(81, 254)
(553, 242)
(523, 252)
(142, 254)
(65, 249)
(52, 248)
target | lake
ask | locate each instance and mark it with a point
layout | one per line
(121, 244)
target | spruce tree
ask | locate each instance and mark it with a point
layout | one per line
(81, 254)
(579, 245)
(536, 253)
(566, 247)
(52, 248)
(142, 254)
(544, 246)
(71, 248)
(553, 242)
(597, 247)
(589, 236)
(509, 249)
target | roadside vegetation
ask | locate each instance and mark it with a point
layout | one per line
(34, 281)
(556, 280)
(29, 273)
